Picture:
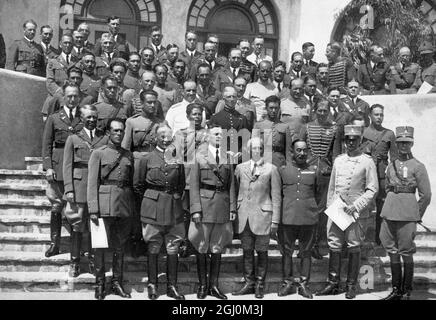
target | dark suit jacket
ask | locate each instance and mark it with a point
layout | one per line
(360, 107)
(311, 68)
(224, 77)
(373, 80)
(188, 60)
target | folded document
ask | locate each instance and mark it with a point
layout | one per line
(337, 214)
(98, 235)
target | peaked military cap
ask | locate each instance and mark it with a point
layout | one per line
(353, 130)
(404, 134)
(426, 47)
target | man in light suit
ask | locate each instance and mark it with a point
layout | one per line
(259, 202)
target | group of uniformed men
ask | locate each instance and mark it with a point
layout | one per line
(152, 142)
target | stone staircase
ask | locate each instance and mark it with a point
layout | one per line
(24, 236)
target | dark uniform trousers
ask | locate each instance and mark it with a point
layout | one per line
(110, 195)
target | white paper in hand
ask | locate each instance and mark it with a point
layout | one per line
(98, 235)
(337, 214)
(425, 88)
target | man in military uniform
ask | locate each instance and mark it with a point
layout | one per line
(281, 132)
(178, 76)
(160, 181)
(207, 93)
(108, 105)
(427, 73)
(243, 105)
(324, 146)
(118, 68)
(26, 55)
(140, 139)
(187, 141)
(110, 197)
(121, 46)
(295, 109)
(247, 68)
(167, 92)
(322, 79)
(354, 182)
(299, 217)
(79, 41)
(147, 59)
(372, 76)
(354, 104)
(58, 127)
(259, 207)
(50, 52)
(213, 208)
(340, 70)
(108, 52)
(91, 81)
(132, 77)
(191, 55)
(160, 52)
(402, 75)
(84, 29)
(379, 142)
(209, 59)
(78, 149)
(401, 212)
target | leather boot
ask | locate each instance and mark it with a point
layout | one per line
(352, 274)
(215, 266)
(262, 267)
(55, 234)
(248, 266)
(287, 286)
(303, 288)
(152, 276)
(91, 256)
(172, 266)
(99, 274)
(396, 272)
(305, 266)
(117, 278)
(315, 249)
(407, 286)
(75, 242)
(202, 275)
(334, 276)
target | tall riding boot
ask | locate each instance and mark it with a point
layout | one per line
(396, 277)
(75, 243)
(100, 278)
(91, 256)
(407, 286)
(334, 276)
(315, 249)
(152, 276)
(215, 266)
(352, 274)
(202, 275)
(262, 267)
(378, 219)
(287, 271)
(172, 266)
(55, 234)
(303, 289)
(248, 266)
(117, 277)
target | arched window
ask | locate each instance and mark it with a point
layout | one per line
(233, 20)
(137, 17)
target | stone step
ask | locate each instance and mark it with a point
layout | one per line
(42, 203)
(23, 192)
(22, 176)
(187, 282)
(33, 163)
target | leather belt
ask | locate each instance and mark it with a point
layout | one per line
(404, 189)
(148, 148)
(213, 188)
(59, 145)
(120, 184)
(162, 188)
(278, 149)
(79, 165)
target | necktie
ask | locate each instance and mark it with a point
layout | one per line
(157, 50)
(71, 115)
(91, 135)
(298, 74)
(234, 73)
(279, 86)
(217, 156)
(68, 58)
(254, 169)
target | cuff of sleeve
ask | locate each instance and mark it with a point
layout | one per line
(360, 205)
(47, 163)
(196, 208)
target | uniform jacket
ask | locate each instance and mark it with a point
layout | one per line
(355, 180)
(91, 84)
(244, 107)
(298, 185)
(216, 68)
(103, 195)
(57, 129)
(140, 134)
(131, 80)
(425, 74)
(373, 80)
(259, 197)
(401, 206)
(77, 152)
(361, 107)
(102, 63)
(160, 207)
(53, 104)
(107, 111)
(190, 61)
(209, 97)
(50, 53)
(310, 68)
(225, 77)
(121, 46)
(379, 144)
(57, 73)
(26, 57)
(402, 78)
(214, 205)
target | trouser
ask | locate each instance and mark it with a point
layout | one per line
(155, 236)
(210, 237)
(379, 202)
(54, 193)
(397, 237)
(287, 234)
(352, 236)
(118, 231)
(321, 199)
